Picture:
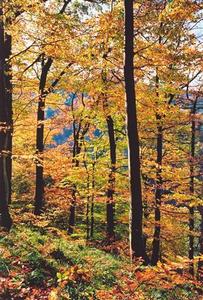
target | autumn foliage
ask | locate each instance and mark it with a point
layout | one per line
(101, 108)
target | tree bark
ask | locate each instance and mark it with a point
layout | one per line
(78, 137)
(88, 199)
(110, 207)
(9, 94)
(192, 188)
(5, 132)
(200, 263)
(159, 182)
(136, 209)
(110, 204)
(88, 208)
(92, 201)
(157, 230)
(39, 188)
(75, 161)
(200, 209)
(71, 223)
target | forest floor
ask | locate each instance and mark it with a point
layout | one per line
(40, 261)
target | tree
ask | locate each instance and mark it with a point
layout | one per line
(192, 186)
(9, 96)
(159, 182)
(136, 209)
(39, 188)
(80, 128)
(110, 205)
(5, 126)
(46, 63)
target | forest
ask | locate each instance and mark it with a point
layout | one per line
(101, 149)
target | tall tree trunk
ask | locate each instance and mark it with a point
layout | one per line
(39, 189)
(200, 263)
(110, 204)
(88, 208)
(88, 198)
(157, 230)
(92, 201)
(5, 132)
(9, 93)
(191, 240)
(75, 161)
(76, 152)
(191, 209)
(200, 209)
(71, 223)
(159, 181)
(136, 209)
(78, 138)
(110, 209)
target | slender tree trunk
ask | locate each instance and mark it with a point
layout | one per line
(71, 223)
(76, 152)
(110, 204)
(191, 209)
(78, 138)
(88, 200)
(9, 93)
(111, 183)
(158, 194)
(200, 263)
(39, 189)
(92, 202)
(200, 209)
(75, 161)
(157, 230)
(5, 132)
(191, 240)
(88, 208)
(136, 209)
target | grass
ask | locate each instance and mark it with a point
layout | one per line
(46, 255)
(42, 262)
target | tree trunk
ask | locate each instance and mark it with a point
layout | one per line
(78, 138)
(200, 263)
(157, 230)
(9, 93)
(88, 208)
(71, 223)
(191, 240)
(75, 161)
(92, 202)
(88, 200)
(158, 194)
(39, 189)
(136, 209)
(111, 183)
(200, 209)
(5, 132)
(191, 209)
(110, 204)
